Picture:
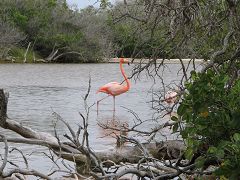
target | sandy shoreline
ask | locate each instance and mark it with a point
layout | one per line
(166, 61)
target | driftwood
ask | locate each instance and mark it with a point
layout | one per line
(54, 55)
(74, 151)
(132, 154)
(25, 54)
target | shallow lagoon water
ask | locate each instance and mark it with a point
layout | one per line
(38, 90)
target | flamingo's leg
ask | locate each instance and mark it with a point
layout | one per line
(100, 101)
(113, 103)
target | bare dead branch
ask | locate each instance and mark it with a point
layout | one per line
(89, 88)
(219, 52)
(3, 108)
(26, 52)
(64, 54)
(25, 172)
(23, 156)
(5, 154)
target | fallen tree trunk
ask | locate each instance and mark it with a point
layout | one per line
(171, 149)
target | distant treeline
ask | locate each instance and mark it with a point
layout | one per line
(52, 31)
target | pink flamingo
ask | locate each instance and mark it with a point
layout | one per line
(170, 97)
(114, 88)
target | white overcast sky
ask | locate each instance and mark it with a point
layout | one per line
(85, 3)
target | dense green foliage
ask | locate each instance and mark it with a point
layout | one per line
(89, 35)
(80, 35)
(211, 114)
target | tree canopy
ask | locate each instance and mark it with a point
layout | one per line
(79, 35)
(140, 29)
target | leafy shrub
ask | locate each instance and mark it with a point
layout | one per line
(211, 116)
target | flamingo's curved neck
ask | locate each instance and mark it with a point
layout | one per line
(124, 75)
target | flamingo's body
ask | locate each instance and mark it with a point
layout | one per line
(114, 88)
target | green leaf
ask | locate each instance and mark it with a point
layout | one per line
(181, 109)
(174, 118)
(200, 162)
(175, 127)
(193, 75)
(189, 153)
(236, 137)
(220, 153)
(212, 150)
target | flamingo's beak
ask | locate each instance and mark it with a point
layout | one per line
(127, 61)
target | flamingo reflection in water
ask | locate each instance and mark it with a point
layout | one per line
(114, 128)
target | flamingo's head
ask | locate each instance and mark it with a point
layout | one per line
(123, 60)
